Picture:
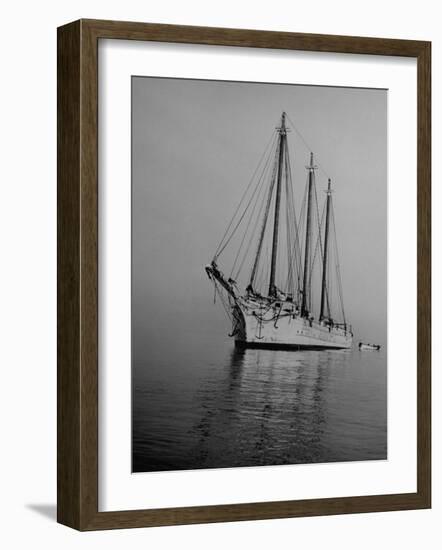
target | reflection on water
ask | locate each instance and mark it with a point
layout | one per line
(258, 407)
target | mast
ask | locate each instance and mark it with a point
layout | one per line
(308, 229)
(324, 293)
(282, 136)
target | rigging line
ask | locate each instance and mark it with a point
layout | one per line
(262, 277)
(318, 240)
(329, 289)
(267, 266)
(290, 225)
(249, 244)
(222, 299)
(292, 206)
(319, 222)
(261, 181)
(289, 280)
(287, 230)
(317, 244)
(301, 224)
(238, 224)
(341, 300)
(269, 144)
(252, 234)
(266, 215)
(328, 284)
(338, 269)
(297, 251)
(259, 276)
(307, 146)
(327, 277)
(226, 242)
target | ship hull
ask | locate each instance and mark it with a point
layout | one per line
(279, 329)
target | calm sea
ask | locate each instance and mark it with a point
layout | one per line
(208, 405)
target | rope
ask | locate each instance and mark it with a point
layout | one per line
(261, 186)
(338, 269)
(318, 246)
(266, 215)
(307, 146)
(302, 223)
(292, 231)
(223, 301)
(218, 252)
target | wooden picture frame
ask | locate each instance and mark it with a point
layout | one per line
(78, 274)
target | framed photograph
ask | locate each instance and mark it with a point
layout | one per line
(243, 274)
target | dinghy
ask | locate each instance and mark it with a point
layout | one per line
(368, 347)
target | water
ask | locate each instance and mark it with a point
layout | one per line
(207, 405)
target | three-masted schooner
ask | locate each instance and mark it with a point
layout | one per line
(275, 307)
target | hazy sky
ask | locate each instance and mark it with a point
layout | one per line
(195, 146)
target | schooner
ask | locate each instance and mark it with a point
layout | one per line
(281, 258)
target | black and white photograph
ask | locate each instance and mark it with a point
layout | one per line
(259, 274)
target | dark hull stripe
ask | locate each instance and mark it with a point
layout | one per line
(291, 347)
